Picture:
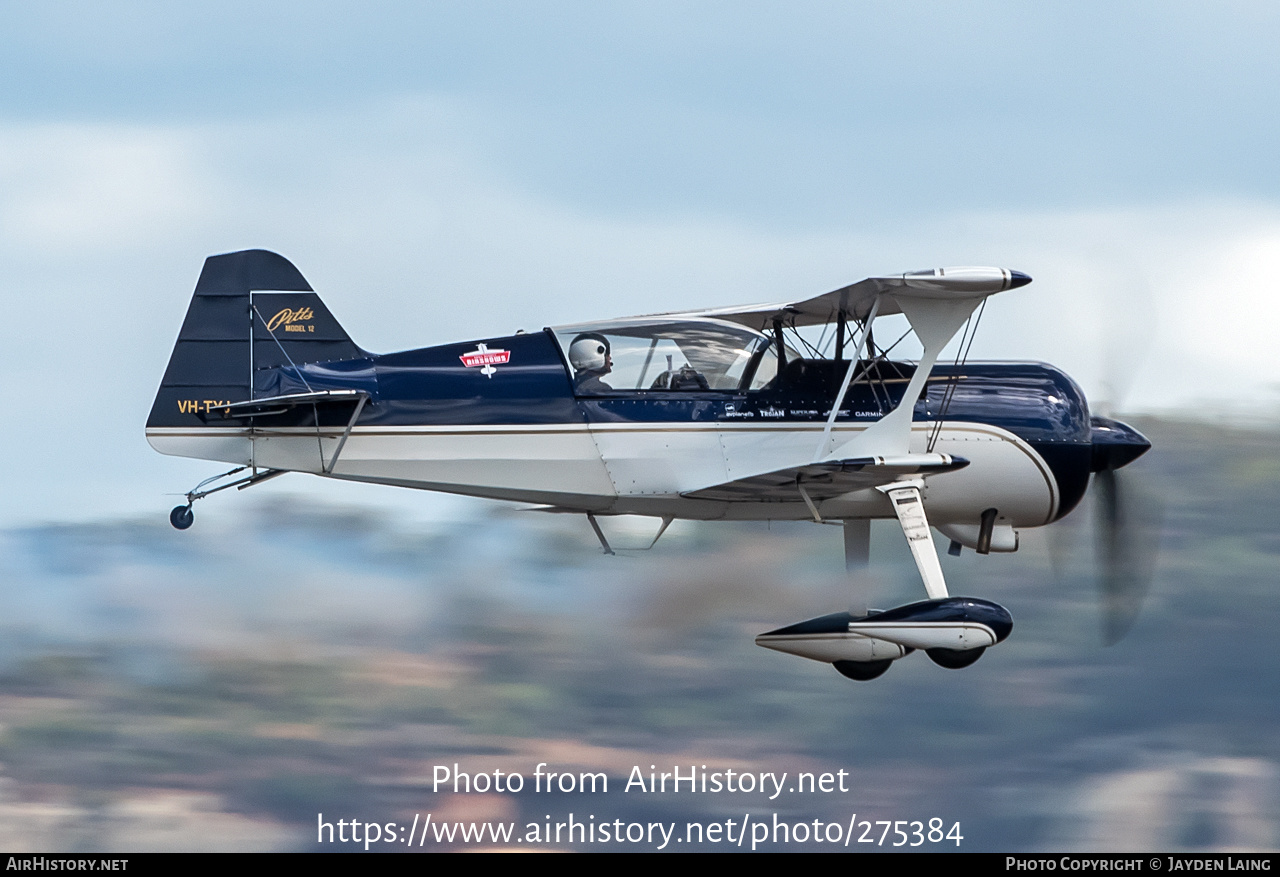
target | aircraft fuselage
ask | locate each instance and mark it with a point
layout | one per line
(499, 418)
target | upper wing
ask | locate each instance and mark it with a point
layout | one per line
(856, 299)
(826, 479)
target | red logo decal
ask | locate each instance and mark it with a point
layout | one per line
(485, 359)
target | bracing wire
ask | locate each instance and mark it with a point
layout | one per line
(962, 356)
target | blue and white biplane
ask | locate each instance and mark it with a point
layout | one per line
(722, 414)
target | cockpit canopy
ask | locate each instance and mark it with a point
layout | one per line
(680, 354)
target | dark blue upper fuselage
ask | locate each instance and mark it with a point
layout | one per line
(526, 380)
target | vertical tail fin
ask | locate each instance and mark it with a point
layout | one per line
(252, 312)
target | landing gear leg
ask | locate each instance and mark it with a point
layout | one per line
(908, 505)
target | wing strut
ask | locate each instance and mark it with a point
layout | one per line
(935, 322)
(604, 543)
(824, 446)
(666, 522)
(346, 434)
(808, 500)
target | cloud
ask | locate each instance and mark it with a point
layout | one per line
(72, 189)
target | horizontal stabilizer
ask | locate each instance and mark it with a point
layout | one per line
(827, 479)
(269, 405)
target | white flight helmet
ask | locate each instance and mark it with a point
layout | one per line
(588, 352)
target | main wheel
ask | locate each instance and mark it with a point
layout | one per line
(863, 671)
(955, 659)
(181, 517)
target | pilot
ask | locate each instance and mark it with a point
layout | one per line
(589, 355)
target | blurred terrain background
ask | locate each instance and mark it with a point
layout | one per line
(217, 688)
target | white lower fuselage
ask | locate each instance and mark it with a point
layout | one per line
(634, 468)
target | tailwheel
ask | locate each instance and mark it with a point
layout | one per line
(954, 659)
(862, 671)
(181, 517)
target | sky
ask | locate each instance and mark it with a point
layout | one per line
(446, 171)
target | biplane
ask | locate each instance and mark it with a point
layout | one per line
(784, 411)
